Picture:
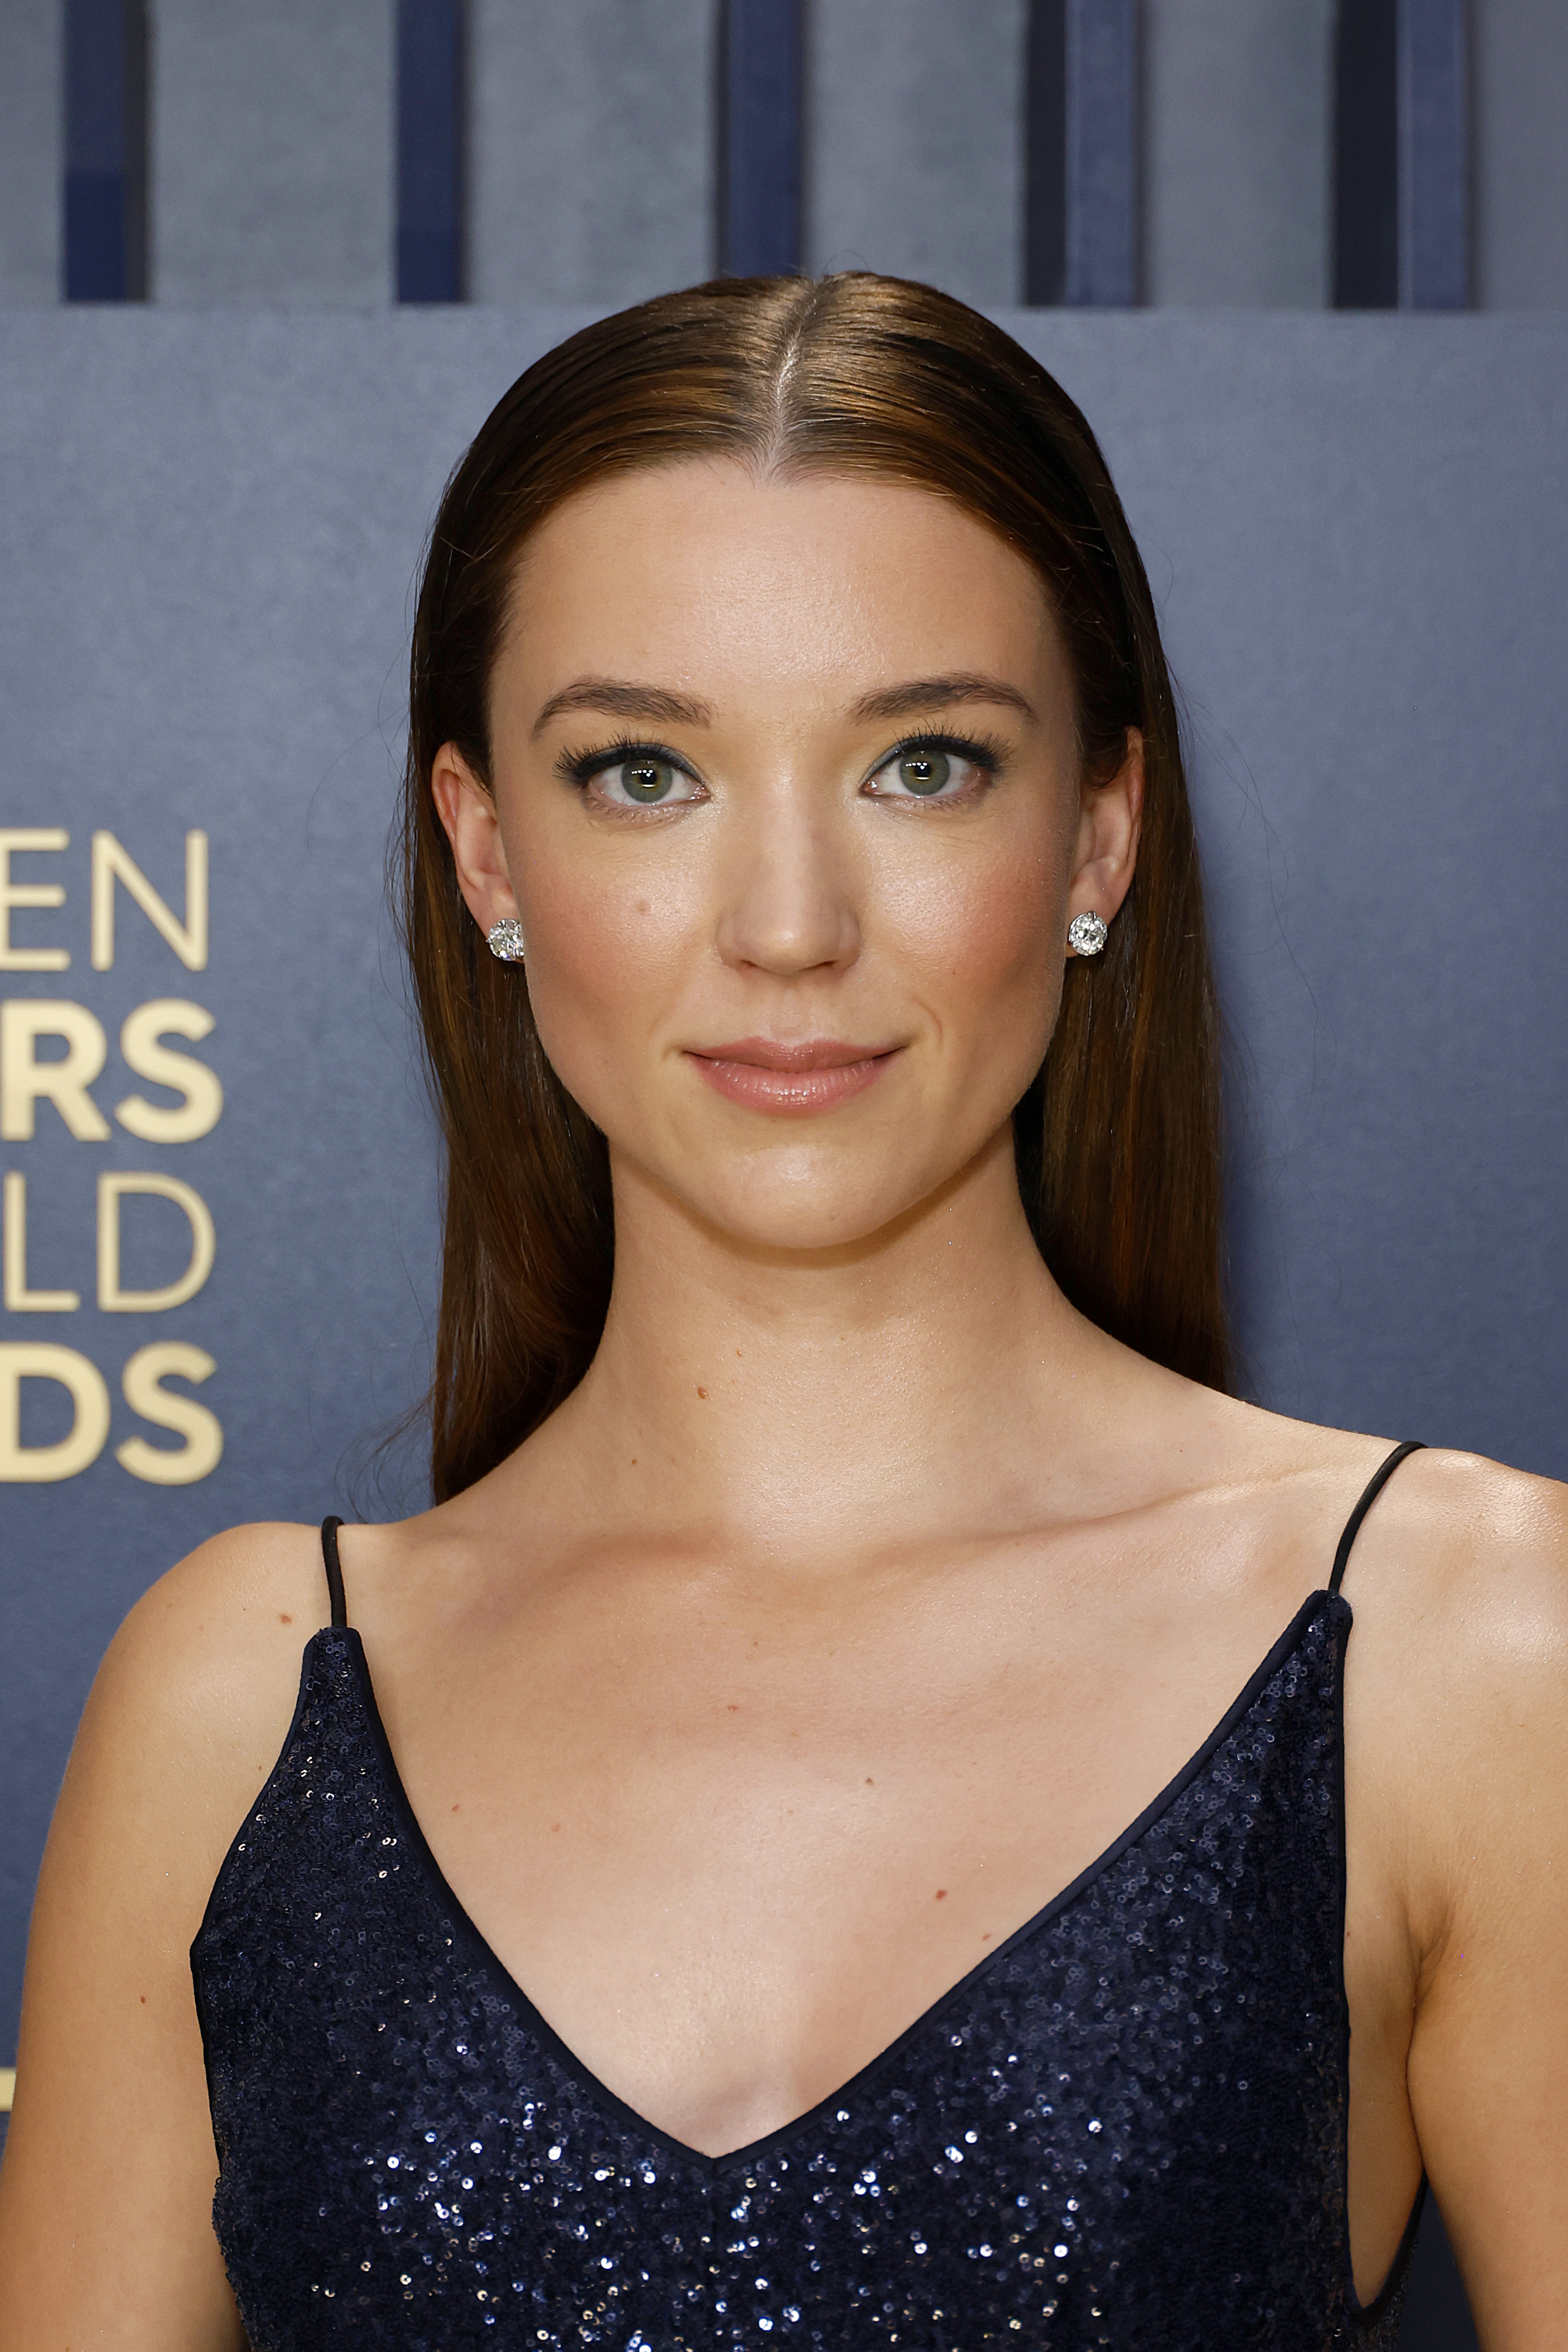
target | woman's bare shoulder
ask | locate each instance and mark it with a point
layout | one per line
(1461, 1541)
(226, 1609)
(1459, 1566)
(1466, 1562)
(1454, 1524)
(195, 1692)
(1457, 1671)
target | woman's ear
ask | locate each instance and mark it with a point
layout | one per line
(468, 812)
(1106, 851)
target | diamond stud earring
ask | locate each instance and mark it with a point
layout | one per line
(505, 939)
(1086, 934)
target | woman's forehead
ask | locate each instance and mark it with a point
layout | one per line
(714, 563)
(697, 500)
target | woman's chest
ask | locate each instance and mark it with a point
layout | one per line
(731, 1874)
(1154, 2063)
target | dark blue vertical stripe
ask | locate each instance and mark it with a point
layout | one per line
(1433, 156)
(761, 87)
(1367, 178)
(106, 134)
(1045, 152)
(1102, 152)
(430, 121)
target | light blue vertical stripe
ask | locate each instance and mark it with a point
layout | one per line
(1102, 145)
(1434, 155)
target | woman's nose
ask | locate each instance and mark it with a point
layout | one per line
(790, 899)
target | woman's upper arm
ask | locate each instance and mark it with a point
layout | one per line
(105, 2192)
(1488, 2059)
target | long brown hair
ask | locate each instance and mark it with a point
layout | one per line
(1118, 1137)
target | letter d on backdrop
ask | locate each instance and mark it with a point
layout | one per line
(42, 1360)
(112, 1298)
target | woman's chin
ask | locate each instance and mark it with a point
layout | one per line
(820, 1222)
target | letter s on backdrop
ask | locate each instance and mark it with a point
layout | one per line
(199, 1457)
(140, 1041)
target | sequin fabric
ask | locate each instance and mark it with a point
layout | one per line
(1126, 2128)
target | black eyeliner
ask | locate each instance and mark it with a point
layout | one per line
(982, 752)
(580, 768)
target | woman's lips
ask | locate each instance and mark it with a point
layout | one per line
(792, 1079)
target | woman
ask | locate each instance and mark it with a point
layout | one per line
(863, 1676)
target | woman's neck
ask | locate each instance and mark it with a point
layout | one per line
(815, 1401)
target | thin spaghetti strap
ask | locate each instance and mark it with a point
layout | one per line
(1374, 1487)
(334, 1572)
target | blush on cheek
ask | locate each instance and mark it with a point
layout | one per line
(987, 927)
(600, 972)
(992, 968)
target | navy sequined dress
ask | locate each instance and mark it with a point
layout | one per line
(1124, 2128)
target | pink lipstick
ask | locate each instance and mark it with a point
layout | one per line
(794, 1080)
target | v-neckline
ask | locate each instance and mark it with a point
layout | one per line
(756, 2152)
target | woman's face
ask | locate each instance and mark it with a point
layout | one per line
(785, 795)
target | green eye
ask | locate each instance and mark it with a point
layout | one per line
(647, 779)
(925, 772)
(935, 768)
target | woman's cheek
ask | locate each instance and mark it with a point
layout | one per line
(986, 942)
(604, 965)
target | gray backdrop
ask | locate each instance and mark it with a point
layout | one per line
(1353, 526)
(272, 167)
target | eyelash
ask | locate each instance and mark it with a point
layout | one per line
(580, 768)
(982, 752)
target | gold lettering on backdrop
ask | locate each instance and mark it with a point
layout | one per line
(110, 864)
(40, 1360)
(203, 1450)
(25, 1081)
(138, 1042)
(19, 1298)
(112, 1298)
(53, 1051)
(30, 840)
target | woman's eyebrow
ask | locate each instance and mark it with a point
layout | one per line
(624, 699)
(621, 698)
(924, 694)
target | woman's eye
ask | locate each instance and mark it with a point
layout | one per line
(924, 773)
(645, 781)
